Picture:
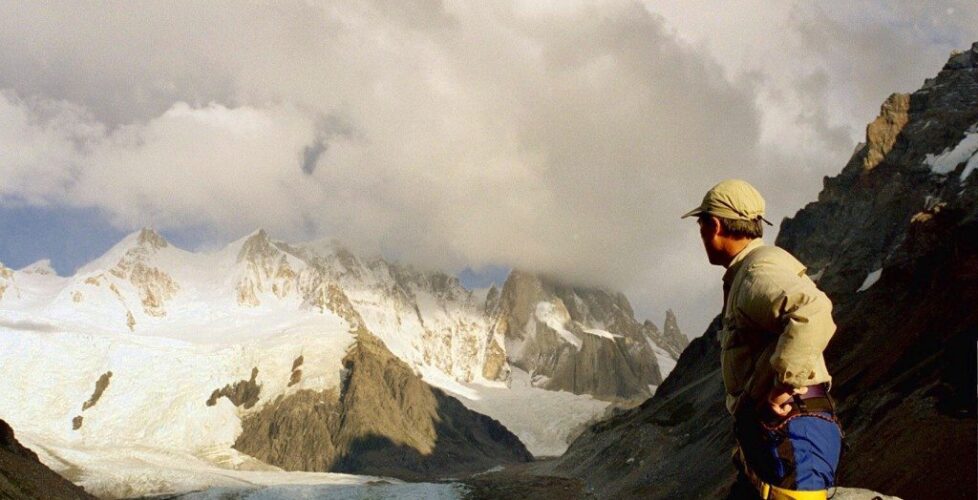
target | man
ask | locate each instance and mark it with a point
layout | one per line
(776, 324)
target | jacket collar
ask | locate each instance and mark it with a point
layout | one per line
(739, 259)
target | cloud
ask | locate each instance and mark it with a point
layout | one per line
(564, 137)
(212, 165)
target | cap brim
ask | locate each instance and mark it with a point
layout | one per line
(695, 211)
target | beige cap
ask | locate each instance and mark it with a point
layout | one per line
(732, 199)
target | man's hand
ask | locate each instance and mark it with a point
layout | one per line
(779, 397)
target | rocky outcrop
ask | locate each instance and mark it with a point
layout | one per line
(883, 132)
(266, 269)
(893, 240)
(671, 339)
(384, 420)
(155, 286)
(296, 376)
(133, 269)
(100, 386)
(242, 393)
(294, 432)
(582, 340)
(24, 477)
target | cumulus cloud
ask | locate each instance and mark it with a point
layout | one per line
(564, 138)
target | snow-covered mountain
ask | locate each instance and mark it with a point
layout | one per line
(146, 286)
(156, 347)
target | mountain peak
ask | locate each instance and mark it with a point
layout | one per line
(42, 266)
(256, 245)
(963, 59)
(148, 237)
(670, 317)
(670, 328)
(145, 238)
(141, 244)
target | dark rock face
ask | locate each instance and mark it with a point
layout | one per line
(23, 476)
(294, 432)
(675, 445)
(384, 421)
(296, 375)
(100, 386)
(242, 393)
(581, 340)
(903, 358)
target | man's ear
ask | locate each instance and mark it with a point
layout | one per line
(716, 229)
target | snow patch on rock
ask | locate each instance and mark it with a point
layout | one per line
(870, 280)
(602, 333)
(548, 314)
(964, 151)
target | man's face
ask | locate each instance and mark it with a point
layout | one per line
(710, 234)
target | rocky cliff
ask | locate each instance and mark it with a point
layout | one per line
(383, 420)
(671, 339)
(582, 340)
(24, 477)
(893, 240)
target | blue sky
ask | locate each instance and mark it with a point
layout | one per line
(70, 238)
(483, 277)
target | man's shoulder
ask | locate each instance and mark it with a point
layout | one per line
(770, 258)
(771, 270)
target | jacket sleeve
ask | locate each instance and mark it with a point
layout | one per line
(792, 307)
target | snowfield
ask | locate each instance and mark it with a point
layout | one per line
(159, 387)
(123, 472)
(544, 420)
(151, 430)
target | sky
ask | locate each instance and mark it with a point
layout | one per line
(559, 137)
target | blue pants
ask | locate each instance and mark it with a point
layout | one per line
(798, 453)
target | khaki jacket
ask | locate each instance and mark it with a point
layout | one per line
(776, 323)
